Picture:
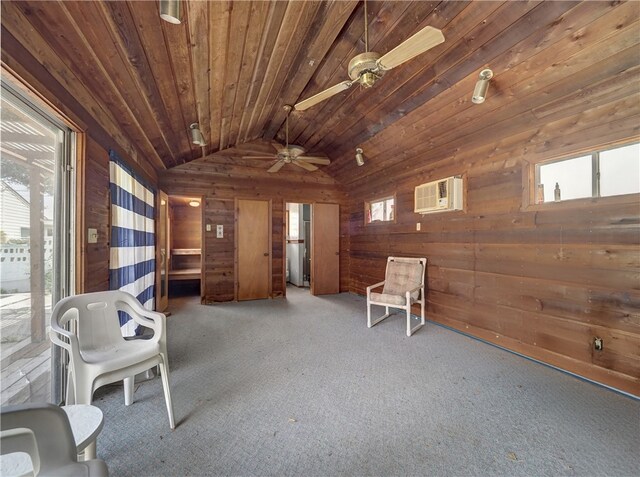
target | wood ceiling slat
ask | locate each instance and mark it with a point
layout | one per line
(437, 66)
(326, 26)
(269, 38)
(177, 43)
(125, 35)
(334, 67)
(525, 88)
(269, 35)
(105, 59)
(148, 23)
(260, 14)
(197, 14)
(239, 26)
(518, 63)
(512, 125)
(297, 20)
(424, 14)
(458, 21)
(17, 24)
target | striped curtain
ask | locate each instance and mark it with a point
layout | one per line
(132, 256)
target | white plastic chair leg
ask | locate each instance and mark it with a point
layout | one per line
(164, 374)
(128, 390)
(70, 397)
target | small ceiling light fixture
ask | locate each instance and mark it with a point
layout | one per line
(196, 135)
(359, 157)
(194, 203)
(170, 11)
(480, 91)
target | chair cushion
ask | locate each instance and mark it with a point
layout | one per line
(402, 277)
(399, 300)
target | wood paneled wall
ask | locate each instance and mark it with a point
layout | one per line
(96, 215)
(544, 280)
(31, 63)
(210, 178)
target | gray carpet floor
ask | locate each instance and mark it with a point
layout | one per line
(302, 387)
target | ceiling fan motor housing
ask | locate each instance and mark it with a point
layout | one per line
(361, 67)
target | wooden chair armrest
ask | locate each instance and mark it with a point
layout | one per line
(375, 285)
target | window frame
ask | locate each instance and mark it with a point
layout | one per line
(384, 199)
(531, 176)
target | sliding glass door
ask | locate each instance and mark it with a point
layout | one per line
(36, 235)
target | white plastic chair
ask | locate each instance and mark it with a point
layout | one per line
(403, 286)
(43, 432)
(98, 354)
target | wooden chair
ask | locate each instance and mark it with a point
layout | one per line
(403, 286)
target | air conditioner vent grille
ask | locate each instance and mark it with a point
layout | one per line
(441, 195)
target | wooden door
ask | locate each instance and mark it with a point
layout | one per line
(162, 257)
(253, 249)
(325, 249)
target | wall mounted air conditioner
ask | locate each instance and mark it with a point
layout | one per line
(438, 196)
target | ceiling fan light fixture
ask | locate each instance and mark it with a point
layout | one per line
(196, 135)
(482, 85)
(359, 157)
(170, 11)
(194, 203)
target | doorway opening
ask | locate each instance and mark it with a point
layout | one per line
(185, 246)
(298, 245)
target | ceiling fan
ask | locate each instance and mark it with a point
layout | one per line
(291, 154)
(368, 67)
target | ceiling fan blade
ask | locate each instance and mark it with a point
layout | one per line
(422, 41)
(314, 160)
(277, 166)
(304, 165)
(321, 96)
(273, 156)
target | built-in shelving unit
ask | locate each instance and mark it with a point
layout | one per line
(186, 264)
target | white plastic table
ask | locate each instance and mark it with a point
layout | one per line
(86, 423)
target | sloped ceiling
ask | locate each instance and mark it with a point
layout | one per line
(231, 66)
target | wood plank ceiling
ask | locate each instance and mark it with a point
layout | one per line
(231, 66)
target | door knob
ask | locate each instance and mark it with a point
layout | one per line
(266, 254)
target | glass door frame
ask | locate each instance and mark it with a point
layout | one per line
(64, 220)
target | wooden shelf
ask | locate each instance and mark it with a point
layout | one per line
(186, 251)
(185, 274)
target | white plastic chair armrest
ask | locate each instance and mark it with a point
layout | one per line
(151, 319)
(375, 285)
(21, 439)
(55, 332)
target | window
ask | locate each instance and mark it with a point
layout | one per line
(36, 193)
(603, 173)
(380, 210)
